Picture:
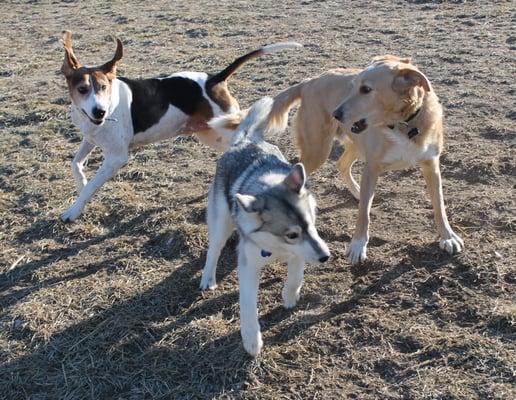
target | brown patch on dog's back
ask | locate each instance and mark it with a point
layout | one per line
(219, 93)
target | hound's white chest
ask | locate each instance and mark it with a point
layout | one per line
(404, 152)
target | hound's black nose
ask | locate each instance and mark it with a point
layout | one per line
(98, 113)
(338, 114)
(324, 259)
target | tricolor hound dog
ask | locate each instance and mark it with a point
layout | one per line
(118, 114)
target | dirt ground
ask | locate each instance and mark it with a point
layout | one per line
(109, 307)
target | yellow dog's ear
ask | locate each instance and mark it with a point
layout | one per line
(70, 63)
(407, 78)
(109, 68)
(390, 57)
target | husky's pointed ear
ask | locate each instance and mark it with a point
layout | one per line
(296, 179)
(408, 78)
(109, 68)
(249, 203)
(70, 63)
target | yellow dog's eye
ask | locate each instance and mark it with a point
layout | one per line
(103, 87)
(365, 89)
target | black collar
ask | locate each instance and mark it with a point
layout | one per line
(414, 131)
(413, 115)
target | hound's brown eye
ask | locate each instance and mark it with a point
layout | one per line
(103, 87)
(82, 89)
(292, 235)
(365, 89)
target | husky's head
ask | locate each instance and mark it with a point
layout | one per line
(282, 218)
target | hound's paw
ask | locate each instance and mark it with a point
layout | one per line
(357, 251)
(71, 214)
(252, 341)
(208, 282)
(453, 244)
(290, 297)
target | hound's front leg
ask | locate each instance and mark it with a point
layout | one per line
(78, 164)
(357, 250)
(111, 164)
(249, 268)
(450, 241)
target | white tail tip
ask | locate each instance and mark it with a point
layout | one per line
(270, 48)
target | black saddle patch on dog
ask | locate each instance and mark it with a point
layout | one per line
(152, 98)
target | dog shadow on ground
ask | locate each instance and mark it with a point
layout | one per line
(154, 328)
(382, 275)
(145, 330)
(54, 229)
(143, 344)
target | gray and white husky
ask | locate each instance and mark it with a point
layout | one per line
(256, 191)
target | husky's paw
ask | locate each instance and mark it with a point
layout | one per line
(252, 341)
(357, 251)
(208, 282)
(452, 244)
(71, 214)
(290, 297)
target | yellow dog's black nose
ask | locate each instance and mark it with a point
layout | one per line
(338, 114)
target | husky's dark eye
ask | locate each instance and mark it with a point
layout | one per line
(82, 89)
(365, 89)
(292, 235)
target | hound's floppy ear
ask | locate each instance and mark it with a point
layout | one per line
(109, 68)
(296, 179)
(408, 78)
(70, 63)
(249, 203)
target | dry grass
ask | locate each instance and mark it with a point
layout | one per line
(108, 307)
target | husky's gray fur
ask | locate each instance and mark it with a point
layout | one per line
(256, 191)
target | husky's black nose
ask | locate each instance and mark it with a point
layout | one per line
(324, 259)
(338, 114)
(98, 113)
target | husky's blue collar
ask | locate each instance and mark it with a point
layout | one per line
(265, 253)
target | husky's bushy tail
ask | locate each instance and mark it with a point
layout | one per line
(276, 117)
(254, 123)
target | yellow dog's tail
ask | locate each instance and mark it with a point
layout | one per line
(277, 119)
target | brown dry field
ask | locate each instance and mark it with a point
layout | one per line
(109, 307)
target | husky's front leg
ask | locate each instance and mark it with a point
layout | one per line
(249, 267)
(292, 287)
(220, 227)
(111, 164)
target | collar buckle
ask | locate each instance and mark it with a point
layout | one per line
(405, 125)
